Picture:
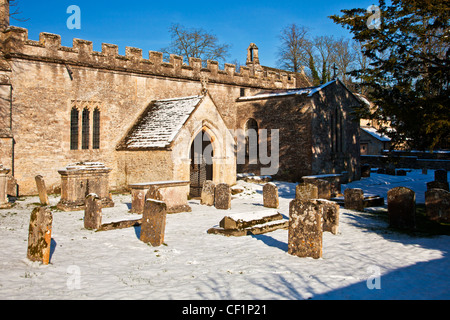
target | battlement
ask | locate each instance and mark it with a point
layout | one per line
(49, 49)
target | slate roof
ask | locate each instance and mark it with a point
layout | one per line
(160, 123)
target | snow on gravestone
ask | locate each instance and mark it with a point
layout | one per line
(306, 191)
(402, 208)
(153, 222)
(354, 199)
(93, 212)
(270, 195)
(305, 229)
(222, 196)
(207, 196)
(40, 235)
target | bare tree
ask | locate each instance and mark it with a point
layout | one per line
(343, 57)
(195, 42)
(295, 48)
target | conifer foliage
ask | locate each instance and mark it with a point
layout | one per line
(409, 71)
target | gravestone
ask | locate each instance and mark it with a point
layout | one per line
(424, 171)
(401, 172)
(93, 212)
(323, 188)
(270, 195)
(390, 169)
(153, 222)
(437, 204)
(207, 196)
(306, 191)
(330, 215)
(440, 175)
(365, 171)
(305, 229)
(354, 199)
(42, 190)
(402, 208)
(40, 235)
(437, 185)
(222, 196)
(4, 202)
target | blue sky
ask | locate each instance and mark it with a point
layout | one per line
(144, 24)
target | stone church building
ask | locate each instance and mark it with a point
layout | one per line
(141, 116)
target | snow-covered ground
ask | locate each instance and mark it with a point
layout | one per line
(195, 265)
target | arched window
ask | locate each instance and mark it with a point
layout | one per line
(251, 140)
(96, 130)
(85, 129)
(74, 129)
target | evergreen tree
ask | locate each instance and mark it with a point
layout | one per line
(409, 70)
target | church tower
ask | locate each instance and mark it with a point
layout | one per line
(253, 58)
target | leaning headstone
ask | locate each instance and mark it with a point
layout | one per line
(437, 204)
(330, 215)
(354, 199)
(153, 222)
(43, 197)
(207, 196)
(306, 191)
(40, 235)
(402, 208)
(440, 175)
(305, 229)
(437, 185)
(270, 195)
(93, 212)
(222, 196)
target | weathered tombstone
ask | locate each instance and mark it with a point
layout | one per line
(80, 179)
(222, 196)
(4, 202)
(11, 186)
(306, 191)
(40, 235)
(270, 195)
(437, 204)
(153, 222)
(440, 175)
(305, 229)
(93, 212)
(323, 188)
(437, 185)
(207, 196)
(424, 171)
(42, 190)
(330, 215)
(402, 208)
(354, 199)
(365, 171)
(390, 169)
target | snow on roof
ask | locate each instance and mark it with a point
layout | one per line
(161, 122)
(299, 91)
(373, 132)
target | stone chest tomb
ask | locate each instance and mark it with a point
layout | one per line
(80, 179)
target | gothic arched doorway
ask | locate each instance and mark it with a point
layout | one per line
(201, 168)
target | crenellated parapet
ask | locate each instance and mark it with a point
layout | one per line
(49, 49)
